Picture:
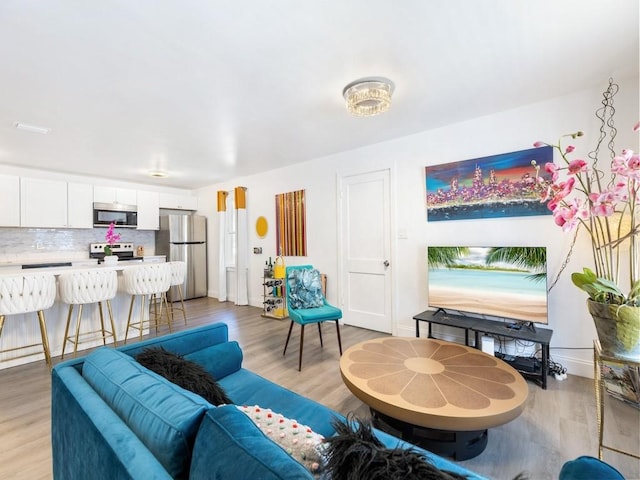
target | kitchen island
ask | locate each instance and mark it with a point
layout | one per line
(24, 329)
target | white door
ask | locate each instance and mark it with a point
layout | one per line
(366, 250)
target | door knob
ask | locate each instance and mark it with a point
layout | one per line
(386, 263)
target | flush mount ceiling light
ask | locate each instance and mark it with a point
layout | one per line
(31, 128)
(368, 96)
(158, 174)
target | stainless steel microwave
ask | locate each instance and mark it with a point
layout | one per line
(123, 216)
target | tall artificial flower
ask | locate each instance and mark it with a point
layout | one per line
(606, 205)
(112, 238)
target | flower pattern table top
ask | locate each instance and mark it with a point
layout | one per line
(434, 383)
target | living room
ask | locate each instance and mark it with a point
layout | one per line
(512, 125)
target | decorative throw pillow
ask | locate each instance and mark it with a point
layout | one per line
(185, 373)
(355, 452)
(305, 288)
(296, 439)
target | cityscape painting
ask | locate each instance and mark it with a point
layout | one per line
(488, 187)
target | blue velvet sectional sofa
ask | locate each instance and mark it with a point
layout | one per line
(114, 419)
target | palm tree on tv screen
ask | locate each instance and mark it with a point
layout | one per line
(528, 258)
(445, 256)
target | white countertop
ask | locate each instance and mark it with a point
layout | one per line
(16, 268)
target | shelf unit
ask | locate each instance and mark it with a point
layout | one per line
(607, 360)
(274, 302)
(478, 326)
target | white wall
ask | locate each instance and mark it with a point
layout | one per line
(406, 158)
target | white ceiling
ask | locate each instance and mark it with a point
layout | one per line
(210, 90)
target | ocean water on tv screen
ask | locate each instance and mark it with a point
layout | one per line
(501, 282)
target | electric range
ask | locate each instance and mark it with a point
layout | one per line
(124, 251)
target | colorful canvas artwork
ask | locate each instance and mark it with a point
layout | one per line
(291, 231)
(488, 187)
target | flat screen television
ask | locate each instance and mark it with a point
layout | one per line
(504, 282)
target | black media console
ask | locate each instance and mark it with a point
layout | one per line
(481, 326)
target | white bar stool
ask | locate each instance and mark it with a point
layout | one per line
(178, 275)
(84, 288)
(21, 294)
(151, 280)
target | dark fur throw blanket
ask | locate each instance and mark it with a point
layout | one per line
(354, 453)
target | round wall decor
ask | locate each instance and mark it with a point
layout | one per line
(261, 227)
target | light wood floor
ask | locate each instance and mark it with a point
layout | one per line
(557, 425)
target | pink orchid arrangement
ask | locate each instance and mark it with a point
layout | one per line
(112, 238)
(607, 205)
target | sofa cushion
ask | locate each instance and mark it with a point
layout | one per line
(305, 288)
(185, 373)
(248, 388)
(298, 440)
(163, 415)
(219, 360)
(229, 445)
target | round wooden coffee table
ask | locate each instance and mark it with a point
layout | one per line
(439, 395)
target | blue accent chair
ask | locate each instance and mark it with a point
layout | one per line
(306, 304)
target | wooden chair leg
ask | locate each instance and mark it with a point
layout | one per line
(338, 332)
(301, 345)
(320, 333)
(288, 337)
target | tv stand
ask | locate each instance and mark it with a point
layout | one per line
(478, 326)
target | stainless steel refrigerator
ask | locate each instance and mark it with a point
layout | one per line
(184, 238)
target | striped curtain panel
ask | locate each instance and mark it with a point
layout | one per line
(291, 228)
(242, 246)
(222, 235)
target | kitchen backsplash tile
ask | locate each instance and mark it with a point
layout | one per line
(18, 245)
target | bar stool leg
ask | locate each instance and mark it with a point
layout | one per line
(184, 315)
(142, 309)
(169, 310)
(45, 338)
(77, 337)
(113, 325)
(104, 334)
(66, 331)
(126, 332)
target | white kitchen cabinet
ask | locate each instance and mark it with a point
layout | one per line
(79, 205)
(148, 210)
(178, 202)
(10, 201)
(43, 203)
(125, 196)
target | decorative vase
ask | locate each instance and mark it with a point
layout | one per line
(110, 259)
(618, 328)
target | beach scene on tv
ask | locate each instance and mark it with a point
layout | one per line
(504, 282)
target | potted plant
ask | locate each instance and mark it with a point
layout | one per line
(112, 238)
(605, 203)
